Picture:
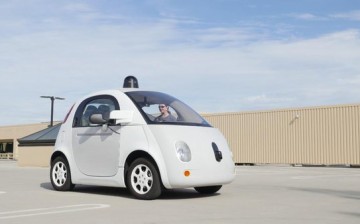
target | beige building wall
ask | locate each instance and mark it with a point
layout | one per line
(318, 135)
(12, 133)
(35, 156)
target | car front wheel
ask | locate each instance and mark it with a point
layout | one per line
(143, 180)
(60, 175)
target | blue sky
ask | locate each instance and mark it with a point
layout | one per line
(215, 55)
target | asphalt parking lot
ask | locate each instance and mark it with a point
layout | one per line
(260, 194)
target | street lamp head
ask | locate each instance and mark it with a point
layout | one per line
(52, 98)
(59, 98)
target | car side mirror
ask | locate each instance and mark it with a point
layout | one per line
(97, 119)
(122, 116)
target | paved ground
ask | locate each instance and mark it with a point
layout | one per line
(260, 194)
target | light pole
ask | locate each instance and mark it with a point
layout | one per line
(52, 98)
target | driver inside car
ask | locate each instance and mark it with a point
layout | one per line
(165, 115)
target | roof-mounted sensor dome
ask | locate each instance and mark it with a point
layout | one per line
(131, 82)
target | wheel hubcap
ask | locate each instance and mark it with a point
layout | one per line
(59, 174)
(141, 179)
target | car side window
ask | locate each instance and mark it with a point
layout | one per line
(95, 105)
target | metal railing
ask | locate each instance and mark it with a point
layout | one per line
(7, 156)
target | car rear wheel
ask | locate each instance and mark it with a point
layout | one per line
(60, 175)
(143, 180)
(208, 190)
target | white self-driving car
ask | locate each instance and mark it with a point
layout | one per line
(116, 138)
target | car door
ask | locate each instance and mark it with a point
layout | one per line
(96, 149)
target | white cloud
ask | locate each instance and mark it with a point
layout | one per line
(263, 98)
(73, 63)
(307, 16)
(352, 15)
(353, 80)
(78, 7)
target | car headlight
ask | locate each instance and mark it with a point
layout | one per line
(183, 151)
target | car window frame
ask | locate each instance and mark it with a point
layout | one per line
(80, 109)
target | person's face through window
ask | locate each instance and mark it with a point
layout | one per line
(162, 108)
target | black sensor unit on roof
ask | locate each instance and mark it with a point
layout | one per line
(131, 82)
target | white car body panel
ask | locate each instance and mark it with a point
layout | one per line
(204, 169)
(96, 151)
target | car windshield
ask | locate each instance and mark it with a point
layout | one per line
(159, 108)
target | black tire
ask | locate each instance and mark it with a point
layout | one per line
(143, 180)
(208, 190)
(60, 175)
